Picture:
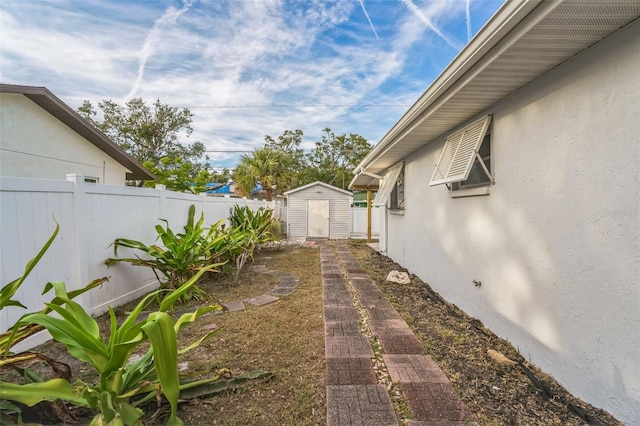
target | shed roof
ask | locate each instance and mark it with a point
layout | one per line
(318, 183)
(521, 42)
(63, 112)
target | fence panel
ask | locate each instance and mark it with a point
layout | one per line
(117, 212)
(29, 209)
(91, 217)
(359, 222)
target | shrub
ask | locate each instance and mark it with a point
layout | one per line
(183, 254)
(122, 386)
(249, 230)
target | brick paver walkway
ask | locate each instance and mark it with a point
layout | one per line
(354, 396)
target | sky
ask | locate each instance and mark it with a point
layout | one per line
(245, 68)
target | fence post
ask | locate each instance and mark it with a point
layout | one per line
(227, 199)
(162, 194)
(203, 200)
(81, 237)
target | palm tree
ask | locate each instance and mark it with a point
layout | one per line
(265, 166)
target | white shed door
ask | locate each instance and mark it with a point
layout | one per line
(318, 218)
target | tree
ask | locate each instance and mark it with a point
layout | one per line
(334, 157)
(266, 166)
(178, 175)
(151, 134)
(289, 145)
(222, 176)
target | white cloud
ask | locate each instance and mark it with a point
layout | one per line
(168, 18)
(254, 57)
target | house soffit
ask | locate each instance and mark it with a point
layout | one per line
(557, 34)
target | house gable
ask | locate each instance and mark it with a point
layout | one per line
(34, 121)
(37, 145)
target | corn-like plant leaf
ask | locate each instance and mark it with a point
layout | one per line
(18, 333)
(7, 292)
(159, 329)
(211, 386)
(32, 393)
(192, 316)
(80, 343)
(198, 342)
(7, 411)
(170, 300)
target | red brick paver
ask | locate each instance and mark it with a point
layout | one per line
(353, 395)
(359, 405)
(350, 371)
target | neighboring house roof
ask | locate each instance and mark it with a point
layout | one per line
(228, 188)
(521, 42)
(54, 106)
(316, 183)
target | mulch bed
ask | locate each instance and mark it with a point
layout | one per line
(496, 393)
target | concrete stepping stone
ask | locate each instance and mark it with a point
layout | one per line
(443, 423)
(382, 312)
(235, 305)
(282, 291)
(263, 299)
(338, 298)
(289, 281)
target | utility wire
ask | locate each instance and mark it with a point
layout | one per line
(296, 106)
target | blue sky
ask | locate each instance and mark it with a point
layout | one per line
(245, 68)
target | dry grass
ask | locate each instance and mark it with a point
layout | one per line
(286, 338)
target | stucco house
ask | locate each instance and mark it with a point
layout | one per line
(42, 137)
(512, 187)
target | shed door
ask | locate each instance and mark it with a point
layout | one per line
(318, 218)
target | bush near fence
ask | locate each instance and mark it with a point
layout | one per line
(91, 217)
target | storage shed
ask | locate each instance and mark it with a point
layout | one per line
(318, 210)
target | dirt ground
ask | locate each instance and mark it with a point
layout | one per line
(497, 394)
(286, 339)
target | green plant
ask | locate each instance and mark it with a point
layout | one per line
(249, 230)
(18, 332)
(183, 254)
(122, 386)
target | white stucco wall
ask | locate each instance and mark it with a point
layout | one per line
(556, 243)
(35, 144)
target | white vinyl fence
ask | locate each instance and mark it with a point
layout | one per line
(91, 217)
(359, 222)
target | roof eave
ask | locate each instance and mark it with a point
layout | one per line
(510, 15)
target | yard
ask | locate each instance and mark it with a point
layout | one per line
(285, 338)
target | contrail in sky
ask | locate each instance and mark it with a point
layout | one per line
(153, 37)
(468, 19)
(413, 8)
(368, 19)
